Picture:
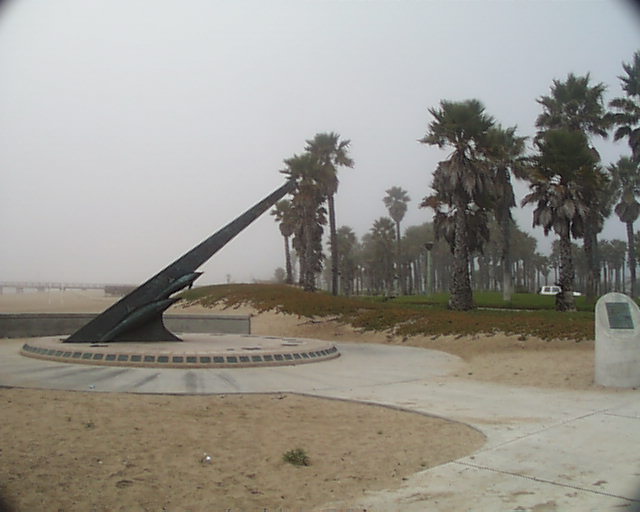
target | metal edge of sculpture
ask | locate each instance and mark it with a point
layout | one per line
(138, 315)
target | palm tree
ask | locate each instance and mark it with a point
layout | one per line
(575, 105)
(462, 182)
(600, 192)
(382, 238)
(605, 264)
(618, 250)
(284, 214)
(347, 249)
(413, 250)
(578, 106)
(330, 153)
(626, 115)
(366, 261)
(541, 264)
(505, 153)
(523, 255)
(561, 169)
(396, 202)
(307, 199)
(626, 177)
(554, 259)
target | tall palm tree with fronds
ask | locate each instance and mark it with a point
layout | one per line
(505, 154)
(330, 153)
(626, 177)
(396, 203)
(605, 264)
(307, 199)
(284, 213)
(562, 170)
(626, 111)
(347, 265)
(602, 198)
(382, 239)
(577, 105)
(617, 254)
(462, 182)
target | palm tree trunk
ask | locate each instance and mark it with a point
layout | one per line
(590, 241)
(610, 277)
(334, 245)
(632, 258)
(305, 251)
(461, 298)
(301, 264)
(308, 279)
(507, 278)
(287, 256)
(596, 263)
(399, 269)
(588, 253)
(299, 245)
(565, 300)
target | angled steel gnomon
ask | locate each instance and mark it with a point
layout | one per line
(138, 315)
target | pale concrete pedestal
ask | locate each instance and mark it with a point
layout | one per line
(617, 348)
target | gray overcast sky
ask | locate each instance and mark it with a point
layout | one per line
(131, 130)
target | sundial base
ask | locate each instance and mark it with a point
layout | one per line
(195, 351)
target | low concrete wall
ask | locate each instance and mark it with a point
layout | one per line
(29, 325)
(225, 324)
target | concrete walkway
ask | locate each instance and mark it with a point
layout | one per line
(546, 450)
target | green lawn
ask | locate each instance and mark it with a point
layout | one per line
(411, 315)
(524, 301)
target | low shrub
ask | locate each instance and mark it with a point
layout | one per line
(297, 457)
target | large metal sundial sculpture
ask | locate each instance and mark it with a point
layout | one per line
(138, 315)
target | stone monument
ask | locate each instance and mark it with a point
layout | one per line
(617, 350)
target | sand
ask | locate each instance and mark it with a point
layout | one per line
(65, 451)
(71, 451)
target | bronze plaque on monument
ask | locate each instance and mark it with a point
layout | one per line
(619, 315)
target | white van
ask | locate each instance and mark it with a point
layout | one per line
(554, 290)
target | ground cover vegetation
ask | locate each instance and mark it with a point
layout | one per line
(405, 316)
(473, 243)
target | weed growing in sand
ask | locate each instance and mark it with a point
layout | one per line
(297, 457)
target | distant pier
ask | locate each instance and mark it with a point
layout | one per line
(21, 286)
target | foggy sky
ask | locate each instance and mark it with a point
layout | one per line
(131, 130)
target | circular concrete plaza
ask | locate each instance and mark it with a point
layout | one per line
(194, 351)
